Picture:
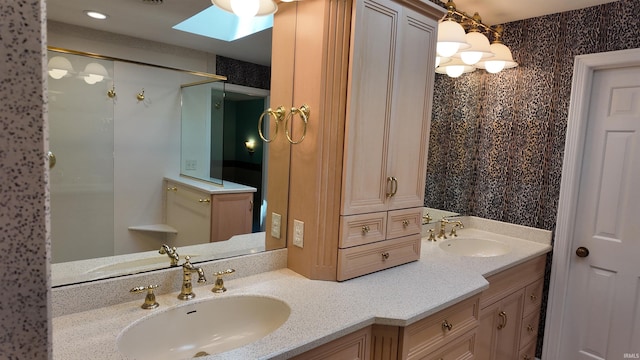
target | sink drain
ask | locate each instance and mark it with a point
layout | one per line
(201, 354)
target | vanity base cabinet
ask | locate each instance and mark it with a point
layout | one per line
(510, 313)
(448, 334)
(200, 217)
(355, 346)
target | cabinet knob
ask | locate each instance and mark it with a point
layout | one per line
(447, 326)
(365, 229)
(172, 188)
(533, 297)
(405, 223)
(526, 357)
(385, 255)
(206, 201)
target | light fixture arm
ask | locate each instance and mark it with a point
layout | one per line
(472, 23)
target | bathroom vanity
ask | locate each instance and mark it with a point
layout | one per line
(431, 308)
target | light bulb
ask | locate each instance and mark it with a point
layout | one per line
(447, 49)
(245, 8)
(494, 66)
(57, 73)
(470, 57)
(454, 71)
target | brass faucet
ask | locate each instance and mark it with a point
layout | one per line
(443, 224)
(187, 268)
(455, 225)
(171, 253)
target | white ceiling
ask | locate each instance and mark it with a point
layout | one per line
(153, 19)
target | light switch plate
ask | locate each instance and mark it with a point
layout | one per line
(298, 233)
(276, 222)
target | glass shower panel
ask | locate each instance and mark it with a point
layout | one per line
(81, 137)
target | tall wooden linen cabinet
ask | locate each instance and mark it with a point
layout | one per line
(365, 69)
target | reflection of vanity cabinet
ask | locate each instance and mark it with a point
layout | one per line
(363, 164)
(207, 214)
(510, 312)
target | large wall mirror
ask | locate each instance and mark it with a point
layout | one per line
(117, 139)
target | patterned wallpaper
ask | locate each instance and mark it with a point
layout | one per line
(244, 73)
(497, 141)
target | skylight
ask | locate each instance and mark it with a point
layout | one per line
(218, 24)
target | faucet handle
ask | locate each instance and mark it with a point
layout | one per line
(218, 287)
(150, 300)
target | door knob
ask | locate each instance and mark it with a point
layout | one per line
(582, 251)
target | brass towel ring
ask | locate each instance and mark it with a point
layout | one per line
(277, 116)
(304, 112)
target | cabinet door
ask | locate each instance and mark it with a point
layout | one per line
(189, 212)
(499, 331)
(411, 110)
(355, 346)
(231, 215)
(369, 94)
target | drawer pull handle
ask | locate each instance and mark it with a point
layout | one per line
(365, 229)
(204, 200)
(173, 188)
(503, 320)
(405, 223)
(385, 255)
(447, 326)
(533, 297)
(530, 328)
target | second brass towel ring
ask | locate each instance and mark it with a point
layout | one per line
(304, 112)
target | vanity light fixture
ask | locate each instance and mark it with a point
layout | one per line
(247, 8)
(59, 67)
(250, 145)
(96, 15)
(94, 73)
(470, 51)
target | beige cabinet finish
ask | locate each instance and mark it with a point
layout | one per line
(448, 334)
(355, 346)
(200, 217)
(363, 67)
(510, 312)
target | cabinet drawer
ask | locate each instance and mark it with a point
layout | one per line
(528, 352)
(427, 335)
(458, 349)
(510, 280)
(404, 222)
(533, 297)
(365, 259)
(529, 328)
(362, 229)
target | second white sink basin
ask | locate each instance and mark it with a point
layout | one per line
(203, 328)
(475, 247)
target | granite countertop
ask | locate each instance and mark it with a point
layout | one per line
(322, 311)
(209, 187)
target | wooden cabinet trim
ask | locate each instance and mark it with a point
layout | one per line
(354, 346)
(513, 279)
(427, 335)
(404, 222)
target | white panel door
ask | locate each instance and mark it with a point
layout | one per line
(602, 313)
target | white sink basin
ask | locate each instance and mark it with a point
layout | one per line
(475, 247)
(207, 327)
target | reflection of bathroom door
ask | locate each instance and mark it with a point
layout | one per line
(601, 312)
(81, 135)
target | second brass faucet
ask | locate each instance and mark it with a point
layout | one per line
(186, 293)
(443, 224)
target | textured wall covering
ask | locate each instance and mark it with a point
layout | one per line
(244, 73)
(497, 141)
(24, 271)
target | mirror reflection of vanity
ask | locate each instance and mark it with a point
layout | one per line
(151, 99)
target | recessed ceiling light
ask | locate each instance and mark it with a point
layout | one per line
(96, 15)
